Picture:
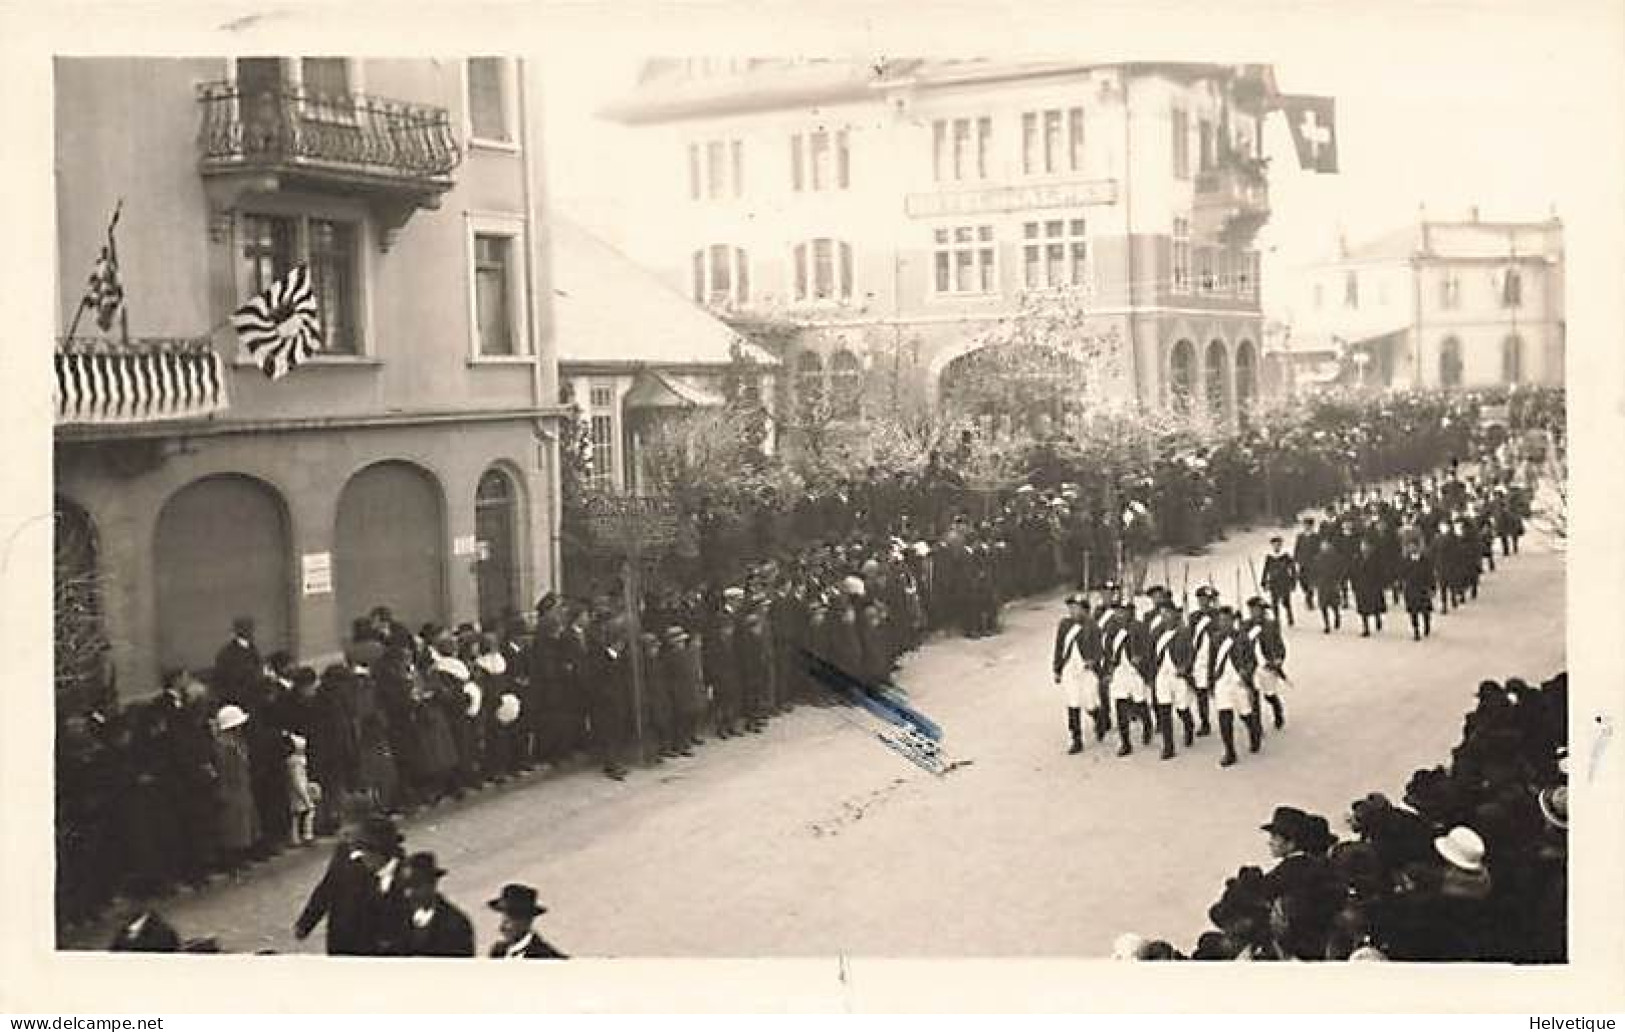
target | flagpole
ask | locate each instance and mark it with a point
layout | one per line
(112, 253)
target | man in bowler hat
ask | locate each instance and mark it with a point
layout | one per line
(360, 895)
(519, 909)
(435, 927)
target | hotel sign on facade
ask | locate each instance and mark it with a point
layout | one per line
(1012, 198)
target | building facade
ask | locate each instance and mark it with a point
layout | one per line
(413, 462)
(633, 353)
(1438, 304)
(902, 212)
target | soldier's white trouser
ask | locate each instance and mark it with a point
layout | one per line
(1172, 690)
(1269, 682)
(1127, 685)
(1078, 684)
(1231, 694)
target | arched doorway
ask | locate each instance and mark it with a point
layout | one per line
(1512, 359)
(1182, 375)
(221, 552)
(1218, 381)
(1246, 379)
(496, 526)
(1010, 386)
(80, 635)
(1450, 363)
(389, 545)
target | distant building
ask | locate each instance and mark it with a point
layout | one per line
(633, 352)
(1436, 304)
(897, 211)
(413, 463)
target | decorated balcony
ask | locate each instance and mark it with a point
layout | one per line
(1232, 201)
(105, 383)
(398, 155)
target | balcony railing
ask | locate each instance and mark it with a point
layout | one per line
(288, 127)
(101, 382)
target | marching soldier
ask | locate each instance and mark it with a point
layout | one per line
(1073, 671)
(1202, 649)
(1269, 648)
(1125, 652)
(1169, 674)
(1233, 666)
(1280, 576)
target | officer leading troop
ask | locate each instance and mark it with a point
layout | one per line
(1149, 661)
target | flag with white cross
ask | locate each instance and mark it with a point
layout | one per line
(1313, 121)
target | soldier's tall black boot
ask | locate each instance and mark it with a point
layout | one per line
(1146, 722)
(1105, 711)
(1123, 707)
(1074, 724)
(1165, 724)
(1427, 624)
(1278, 710)
(1255, 730)
(1203, 704)
(1227, 734)
(1189, 725)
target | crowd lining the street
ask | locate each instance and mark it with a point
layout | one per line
(261, 754)
(1471, 865)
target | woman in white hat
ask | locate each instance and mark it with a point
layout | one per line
(237, 821)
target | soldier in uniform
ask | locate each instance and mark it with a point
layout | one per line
(1202, 646)
(1269, 650)
(1233, 667)
(1124, 662)
(1304, 552)
(1280, 576)
(1073, 670)
(1170, 674)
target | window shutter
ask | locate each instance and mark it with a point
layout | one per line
(846, 271)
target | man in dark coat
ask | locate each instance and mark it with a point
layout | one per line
(1416, 577)
(1280, 576)
(434, 926)
(1327, 576)
(238, 668)
(360, 894)
(1370, 581)
(519, 909)
(1304, 551)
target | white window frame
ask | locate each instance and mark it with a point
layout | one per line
(697, 152)
(1181, 248)
(512, 226)
(802, 165)
(606, 479)
(1067, 240)
(1449, 291)
(838, 247)
(981, 160)
(293, 77)
(1069, 143)
(738, 259)
(304, 209)
(954, 247)
(1180, 143)
(510, 106)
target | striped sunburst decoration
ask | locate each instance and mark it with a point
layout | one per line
(280, 327)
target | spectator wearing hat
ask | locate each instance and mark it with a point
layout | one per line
(237, 829)
(434, 926)
(360, 894)
(1280, 576)
(238, 667)
(517, 938)
(720, 655)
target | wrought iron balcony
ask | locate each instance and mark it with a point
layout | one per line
(397, 154)
(102, 382)
(1232, 200)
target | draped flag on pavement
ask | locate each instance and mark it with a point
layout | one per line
(1313, 121)
(280, 327)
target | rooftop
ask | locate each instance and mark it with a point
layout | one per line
(608, 309)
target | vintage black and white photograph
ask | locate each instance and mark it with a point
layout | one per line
(713, 502)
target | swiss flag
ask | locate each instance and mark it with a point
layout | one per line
(1313, 121)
